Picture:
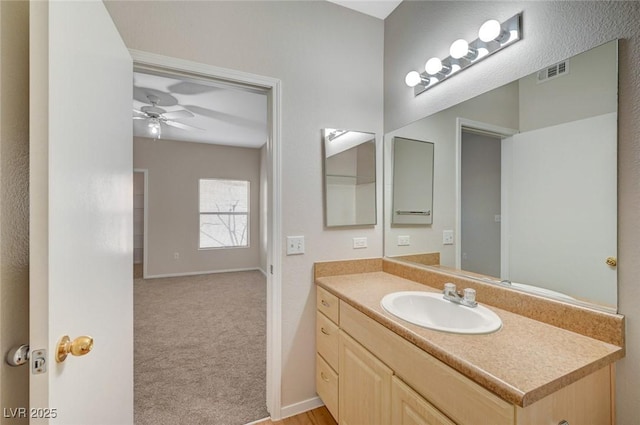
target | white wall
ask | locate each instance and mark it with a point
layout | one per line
(583, 92)
(552, 32)
(175, 169)
(14, 200)
(330, 61)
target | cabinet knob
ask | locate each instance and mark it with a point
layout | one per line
(326, 304)
(563, 422)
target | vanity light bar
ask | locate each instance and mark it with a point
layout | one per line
(492, 37)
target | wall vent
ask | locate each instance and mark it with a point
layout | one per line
(554, 71)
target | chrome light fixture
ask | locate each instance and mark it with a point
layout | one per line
(492, 37)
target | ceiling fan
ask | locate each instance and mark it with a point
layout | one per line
(158, 116)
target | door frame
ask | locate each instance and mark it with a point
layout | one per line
(489, 129)
(273, 87)
(145, 218)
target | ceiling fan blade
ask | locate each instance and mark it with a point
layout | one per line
(190, 88)
(181, 126)
(174, 115)
(139, 112)
(140, 118)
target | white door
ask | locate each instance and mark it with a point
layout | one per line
(560, 201)
(81, 232)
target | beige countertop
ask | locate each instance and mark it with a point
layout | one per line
(523, 362)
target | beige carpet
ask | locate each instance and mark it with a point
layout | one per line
(200, 353)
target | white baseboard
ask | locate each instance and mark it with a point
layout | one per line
(294, 409)
(300, 407)
(157, 276)
(258, 421)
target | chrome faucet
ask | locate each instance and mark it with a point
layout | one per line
(466, 298)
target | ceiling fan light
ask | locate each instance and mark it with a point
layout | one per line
(154, 128)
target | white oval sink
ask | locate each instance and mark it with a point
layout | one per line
(431, 310)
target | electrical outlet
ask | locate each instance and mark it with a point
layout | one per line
(404, 240)
(295, 245)
(359, 243)
(447, 237)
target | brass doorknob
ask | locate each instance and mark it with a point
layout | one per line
(612, 261)
(78, 347)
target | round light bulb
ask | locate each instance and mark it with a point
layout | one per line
(433, 66)
(459, 49)
(412, 79)
(490, 30)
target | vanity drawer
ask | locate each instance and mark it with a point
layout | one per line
(327, 339)
(328, 304)
(327, 385)
(438, 383)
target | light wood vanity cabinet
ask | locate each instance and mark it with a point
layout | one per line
(327, 356)
(409, 408)
(365, 386)
(384, 379)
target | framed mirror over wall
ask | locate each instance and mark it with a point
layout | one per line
(349, 177)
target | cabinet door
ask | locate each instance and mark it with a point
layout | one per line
(364, 386)
(409, 408)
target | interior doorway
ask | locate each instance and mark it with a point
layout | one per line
(270, 216)
(139, 221)
(480, 213)
(480, 202)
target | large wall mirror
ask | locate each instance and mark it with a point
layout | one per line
(525, 180)
(349, 177)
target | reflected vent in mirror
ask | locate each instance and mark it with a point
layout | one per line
(554, 71)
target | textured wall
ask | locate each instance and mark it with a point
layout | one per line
(552, 31)
(329, 60)
(14, 200)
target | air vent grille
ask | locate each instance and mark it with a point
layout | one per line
(554, 71)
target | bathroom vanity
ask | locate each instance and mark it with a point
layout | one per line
(374, 368)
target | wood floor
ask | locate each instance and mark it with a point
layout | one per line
(319, 416)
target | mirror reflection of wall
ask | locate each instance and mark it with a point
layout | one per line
(350, 177)
(555, 136)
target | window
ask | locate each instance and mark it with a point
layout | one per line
(224, 213)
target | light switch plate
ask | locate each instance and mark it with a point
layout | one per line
(447, 237)
(359, 243)
(404, 240)
(295, 245)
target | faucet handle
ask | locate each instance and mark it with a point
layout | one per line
(470, 295)
(449, 288)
